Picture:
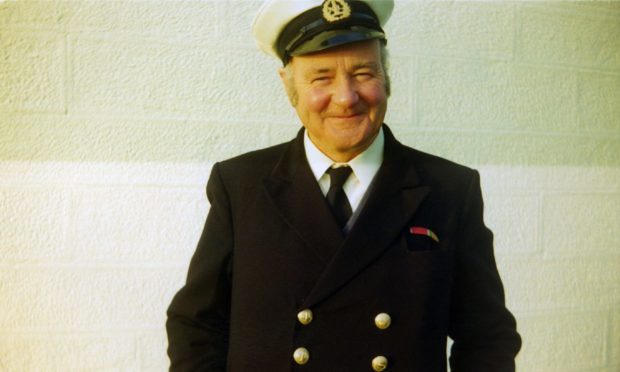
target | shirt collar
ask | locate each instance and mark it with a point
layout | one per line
(364, 165)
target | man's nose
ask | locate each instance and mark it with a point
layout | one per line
(345, 93)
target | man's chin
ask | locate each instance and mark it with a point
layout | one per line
(350, 122)
(352, 146)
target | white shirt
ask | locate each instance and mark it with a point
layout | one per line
(364, 166)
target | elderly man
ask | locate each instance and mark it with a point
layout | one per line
(342, 250)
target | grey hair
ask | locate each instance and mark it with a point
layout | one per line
(385, 65)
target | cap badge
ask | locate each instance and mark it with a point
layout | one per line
(336, 10)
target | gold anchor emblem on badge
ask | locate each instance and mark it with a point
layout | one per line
(336, 10)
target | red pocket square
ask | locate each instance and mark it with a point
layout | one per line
(417, 230)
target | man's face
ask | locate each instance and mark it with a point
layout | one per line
(340, 97)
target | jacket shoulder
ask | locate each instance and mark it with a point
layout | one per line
(252, 164)
(439, 172)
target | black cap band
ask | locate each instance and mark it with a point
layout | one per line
(361, 24)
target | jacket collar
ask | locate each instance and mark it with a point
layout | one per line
(296, 194)
(394, 197)
(393, 200)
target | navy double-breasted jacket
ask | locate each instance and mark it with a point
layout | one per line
(270, 249)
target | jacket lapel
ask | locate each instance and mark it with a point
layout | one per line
(395, 196)
(296, 194)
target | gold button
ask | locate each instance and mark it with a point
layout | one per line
(383, 320)
(301, 355)
(379, 363)
(305, 316)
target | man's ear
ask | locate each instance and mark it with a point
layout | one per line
(287, 82)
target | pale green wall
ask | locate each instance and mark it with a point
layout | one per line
(482, 83)
(112, 113)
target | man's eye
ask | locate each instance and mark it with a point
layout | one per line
(363, 75)
(320, 79)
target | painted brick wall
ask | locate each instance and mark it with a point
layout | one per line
(112, 113)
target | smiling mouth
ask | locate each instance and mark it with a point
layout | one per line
(346, 116)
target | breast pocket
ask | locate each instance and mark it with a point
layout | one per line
(419, 243)
(423, 264)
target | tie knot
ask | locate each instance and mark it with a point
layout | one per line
(338, 176)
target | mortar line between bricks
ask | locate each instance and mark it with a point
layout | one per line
(585, 192)
(146, 118)
(564, 134)
(539, 226)
(581, 12)
(550, 190)
(159, 118)
(570, 67)
(178, 40)
(561, 311)
(68, 74)
(608, 340)
(83, 265)
(71, 332)
(415, 67)
(516, 33)
(519, 62)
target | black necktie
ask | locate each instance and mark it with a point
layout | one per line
(336, 197)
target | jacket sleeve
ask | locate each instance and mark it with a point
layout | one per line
(198, 317)
(483, 330)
